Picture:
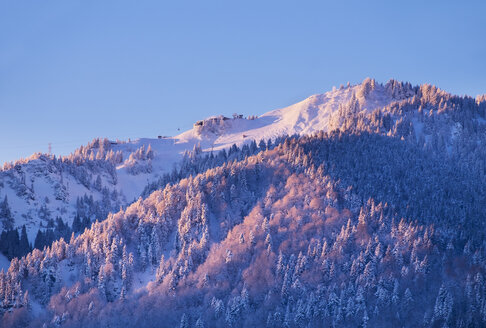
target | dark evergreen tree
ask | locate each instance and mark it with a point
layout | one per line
(24, 246)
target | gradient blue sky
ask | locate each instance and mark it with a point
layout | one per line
(74, 70)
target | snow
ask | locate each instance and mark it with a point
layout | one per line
(25, 209)
(142, 279)
(306, 117)
(418, 127)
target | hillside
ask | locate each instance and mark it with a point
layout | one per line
(371, 211)
(43, 187)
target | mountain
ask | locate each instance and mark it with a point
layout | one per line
(44, 187)
(361, 206)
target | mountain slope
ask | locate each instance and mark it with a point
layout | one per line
(42, 187)
(378, 219)
(105, 175)
(306, 117)
(297, 235)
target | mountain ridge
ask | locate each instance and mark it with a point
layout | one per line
(377, 218)
(126, 168)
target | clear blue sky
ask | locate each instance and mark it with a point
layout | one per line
(74, 70)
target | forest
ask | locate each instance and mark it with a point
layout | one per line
(377, 222)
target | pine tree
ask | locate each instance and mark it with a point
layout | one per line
(24, 246)
(200, 323)
(150, 152)
(6, 215)
(77, 225)
(245, 300)
(280, 264)
(102, 283)
(252, 238)
(365, 319)
(299, 317)
(443, 305)
(229, 256)
(395, 297)
(123, 294)
(97, 184)
(270, 322)
(408, 300)
(287, 317)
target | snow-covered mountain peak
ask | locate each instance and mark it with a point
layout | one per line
(293, 221)
(305, 117)
(123, 169)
